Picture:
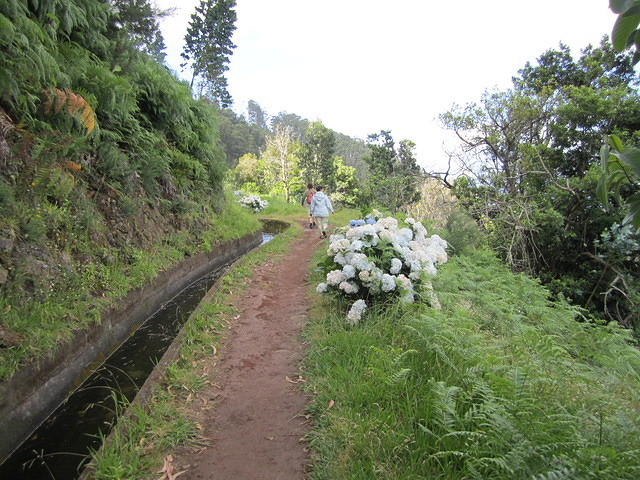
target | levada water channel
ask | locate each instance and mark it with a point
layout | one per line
(59, 448)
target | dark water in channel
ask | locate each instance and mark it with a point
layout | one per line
(58, 448)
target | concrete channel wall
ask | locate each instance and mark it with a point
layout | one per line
(29, 397)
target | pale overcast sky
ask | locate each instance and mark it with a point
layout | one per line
(361, 66)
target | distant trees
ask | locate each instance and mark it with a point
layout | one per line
(394, 171)
(317, 155)
(312, 156)
(208, 47)
(239, 137)
(281, 156)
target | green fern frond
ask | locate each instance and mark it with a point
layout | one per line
(562, 473)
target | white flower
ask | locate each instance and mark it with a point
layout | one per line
(388, 282)
(355, 313)
(404, 283)
(356, 245)
(407, 298)
(420, 232)
(404, 236)
(396, 266)
(338, 245)
(348, 287)
(416, 255)
(361, 261)
(254, 202)
(349, 271)
(335, 277)
(388, 223)
(339, 235)
(415, 246)
(340, 259)
(365, 276)
(386, 234)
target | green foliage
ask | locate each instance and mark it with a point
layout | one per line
(395, 173)
(138, 23)
(238, 137)
(500, 383)
(463, 233)
(347, 187)
(530, 158)
(625, 32)
(316, 156)
(620, 167)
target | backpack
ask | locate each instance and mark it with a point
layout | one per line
(309, 196)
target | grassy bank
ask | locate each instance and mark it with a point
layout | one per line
(75, 300)
(499, 383)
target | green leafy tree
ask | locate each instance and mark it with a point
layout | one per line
(256, 115)
(316, 155)
(621, 170)
(252, 175)
(620, 164)
(347, 189)
(238, 137)
(395, 174)
(531, 160)
(138, 21)
(297, 124)
(208, 47)
(352, 151)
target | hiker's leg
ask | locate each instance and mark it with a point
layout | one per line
(323, 223)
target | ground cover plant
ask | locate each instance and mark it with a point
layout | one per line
(498, 383)
(374, 259)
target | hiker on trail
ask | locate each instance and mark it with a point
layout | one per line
(320, 209)
(306, 203)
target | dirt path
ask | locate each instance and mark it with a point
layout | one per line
(253, 412)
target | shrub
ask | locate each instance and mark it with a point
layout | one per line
(254, 202)
(374, 260)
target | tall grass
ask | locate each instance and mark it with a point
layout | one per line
(499, 384)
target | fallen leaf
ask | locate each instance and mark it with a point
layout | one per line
(297, 380)
(167, 469)
(331, 404)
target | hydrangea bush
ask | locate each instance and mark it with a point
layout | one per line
(254, 202)
(376, 259)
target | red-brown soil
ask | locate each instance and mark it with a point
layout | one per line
(253, 411)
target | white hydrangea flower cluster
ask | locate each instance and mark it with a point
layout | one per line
(379, 259)
(254, 202)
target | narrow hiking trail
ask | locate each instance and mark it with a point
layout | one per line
(252, 412)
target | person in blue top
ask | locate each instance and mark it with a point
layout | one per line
(321, 208)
